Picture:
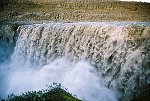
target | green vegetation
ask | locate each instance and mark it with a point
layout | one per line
(54, 93)
(75, 10)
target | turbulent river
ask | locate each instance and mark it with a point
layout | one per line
(97, 61)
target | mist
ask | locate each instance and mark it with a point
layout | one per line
(80, 78)
(100, 62)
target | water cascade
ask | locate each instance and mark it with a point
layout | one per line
(96, 61)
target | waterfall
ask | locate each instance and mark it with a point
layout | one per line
(95, 60)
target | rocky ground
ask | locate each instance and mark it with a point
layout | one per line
(34, 11)
(66, 10)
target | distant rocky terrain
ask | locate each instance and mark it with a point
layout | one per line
(74, 10)
(114, 36)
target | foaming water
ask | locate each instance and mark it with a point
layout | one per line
(119, 52)
(80, 78)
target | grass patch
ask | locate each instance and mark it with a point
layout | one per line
(54, 92)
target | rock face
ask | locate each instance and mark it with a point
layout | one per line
(8, 36)
(120, 51)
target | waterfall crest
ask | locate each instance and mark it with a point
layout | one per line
(120, 52)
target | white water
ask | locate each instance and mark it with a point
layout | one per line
(80, 78)
(119, 51)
